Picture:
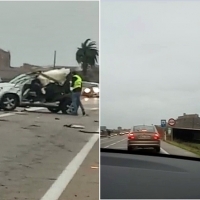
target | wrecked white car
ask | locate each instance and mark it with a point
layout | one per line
(50, 89)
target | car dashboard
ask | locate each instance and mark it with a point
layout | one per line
(132, 176)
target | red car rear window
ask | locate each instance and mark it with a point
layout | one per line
(143, 129)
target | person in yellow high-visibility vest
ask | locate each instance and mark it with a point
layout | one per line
(76, 93)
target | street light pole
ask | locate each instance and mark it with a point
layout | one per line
(54, 60)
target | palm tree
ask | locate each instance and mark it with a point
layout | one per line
(87, 55)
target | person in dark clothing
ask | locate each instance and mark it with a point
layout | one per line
(36, 87)
(76, 93)
(55, 91)
(109, 132)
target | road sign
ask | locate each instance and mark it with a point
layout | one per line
(171, 122)
(169, 131)
(163, 122)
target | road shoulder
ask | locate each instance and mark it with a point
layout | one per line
(171, 149)
(85, 183)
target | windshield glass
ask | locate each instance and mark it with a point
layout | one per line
(154, 79)
(20, 79)
(143, 128)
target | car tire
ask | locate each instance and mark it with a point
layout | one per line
(157, 149)
(11, 100)
(67, 107)
(54, 110)
(130, 149)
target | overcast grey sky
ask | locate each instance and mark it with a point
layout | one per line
(150, 61)
(33, 30)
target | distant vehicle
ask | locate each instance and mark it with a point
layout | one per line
(143, 136)
(121, 133)
(90, 89)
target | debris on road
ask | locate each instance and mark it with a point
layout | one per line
(39, 136)
(57, 118)
(96, 120)
(94, 167)
(4, 120)
(24, 127)
(67, 125)
(74, 126)
(34, 125)
(88, 131)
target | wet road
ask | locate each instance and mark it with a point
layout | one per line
(39, 154)
(120, 142)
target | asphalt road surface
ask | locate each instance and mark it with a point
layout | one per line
(120, 142)
(40, 157)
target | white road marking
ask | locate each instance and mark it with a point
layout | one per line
(111, 139)
(114, 143)
(7, 114)
(163, 151)
(106, 138)
(66, 176)
(14, 113)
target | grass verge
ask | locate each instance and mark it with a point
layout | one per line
(192, 147)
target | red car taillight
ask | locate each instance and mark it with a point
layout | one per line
(156, 136)
(131, 136)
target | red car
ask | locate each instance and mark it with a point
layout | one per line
(143, 136)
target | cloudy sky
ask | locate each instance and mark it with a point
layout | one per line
(33, 30)
(150, 61)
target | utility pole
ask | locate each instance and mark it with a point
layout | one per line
(54, 60)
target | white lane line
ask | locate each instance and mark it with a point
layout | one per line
(106, 138)
(163, 151)
(112, 139)
(7, 114)
(114, 143)
(66, 176)
(27, 109)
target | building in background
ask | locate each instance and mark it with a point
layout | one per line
(188, 121)
(103, 128)
(8, 72)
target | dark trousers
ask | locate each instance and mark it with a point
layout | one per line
(76, 101)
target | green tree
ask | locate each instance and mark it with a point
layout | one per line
(87, 55)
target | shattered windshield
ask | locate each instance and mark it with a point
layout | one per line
(21, 79)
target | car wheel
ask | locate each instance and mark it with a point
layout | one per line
(157, 149)
(67, 107)
(54, 110)
(9, 102)
(130, 149)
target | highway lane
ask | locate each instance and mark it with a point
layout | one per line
(39, 155)
(120, 142)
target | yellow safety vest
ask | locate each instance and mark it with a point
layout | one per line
(78, 82)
